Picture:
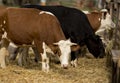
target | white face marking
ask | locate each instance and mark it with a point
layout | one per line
(46, 12)
(65, 52)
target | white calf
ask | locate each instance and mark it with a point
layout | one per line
(3, 53)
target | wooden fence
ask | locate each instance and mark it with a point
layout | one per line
(115, 13)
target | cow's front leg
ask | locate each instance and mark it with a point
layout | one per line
(74, 58)
(45, 62)
(45, 59)
(20, 58)
(74, 63)
(23, 56)
(3, 65)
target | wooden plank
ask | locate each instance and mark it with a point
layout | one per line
(115, 66)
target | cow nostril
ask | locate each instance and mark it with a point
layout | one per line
(65, 66)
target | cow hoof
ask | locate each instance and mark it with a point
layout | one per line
(45, 67)
(74, 63)
(12, 58)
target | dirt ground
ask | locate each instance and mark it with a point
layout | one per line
(88, 71)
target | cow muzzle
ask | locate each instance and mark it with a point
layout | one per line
(64, 66)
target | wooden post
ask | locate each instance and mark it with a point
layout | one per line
(115, 66)
(117, 25)
(111, 9)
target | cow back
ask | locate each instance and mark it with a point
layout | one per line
(28, 24)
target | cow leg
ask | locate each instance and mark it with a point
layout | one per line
(45, 58)
(37, 55)
(13, 51)
(3, 65)
(23, 56)
(45, 63)
(74, 58)
(2, 61)
(20, 58)
(37, 50)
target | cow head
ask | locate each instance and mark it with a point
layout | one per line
(107, 22)
(63, 50)
(95, 46)
(107, 26)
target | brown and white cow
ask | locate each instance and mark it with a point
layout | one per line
(102, 24)
(32, 26)
(95, 20)
(106, 28)
(98, 19)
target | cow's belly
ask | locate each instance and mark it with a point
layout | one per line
(19, 38)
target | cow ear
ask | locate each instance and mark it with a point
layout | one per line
(54, 48)
(73, 44)
(75, 47)
(70, 43)
(55, 43)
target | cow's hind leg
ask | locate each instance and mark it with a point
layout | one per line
(37, 55)
(23, 56)
(13, 51)
(20, 58)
